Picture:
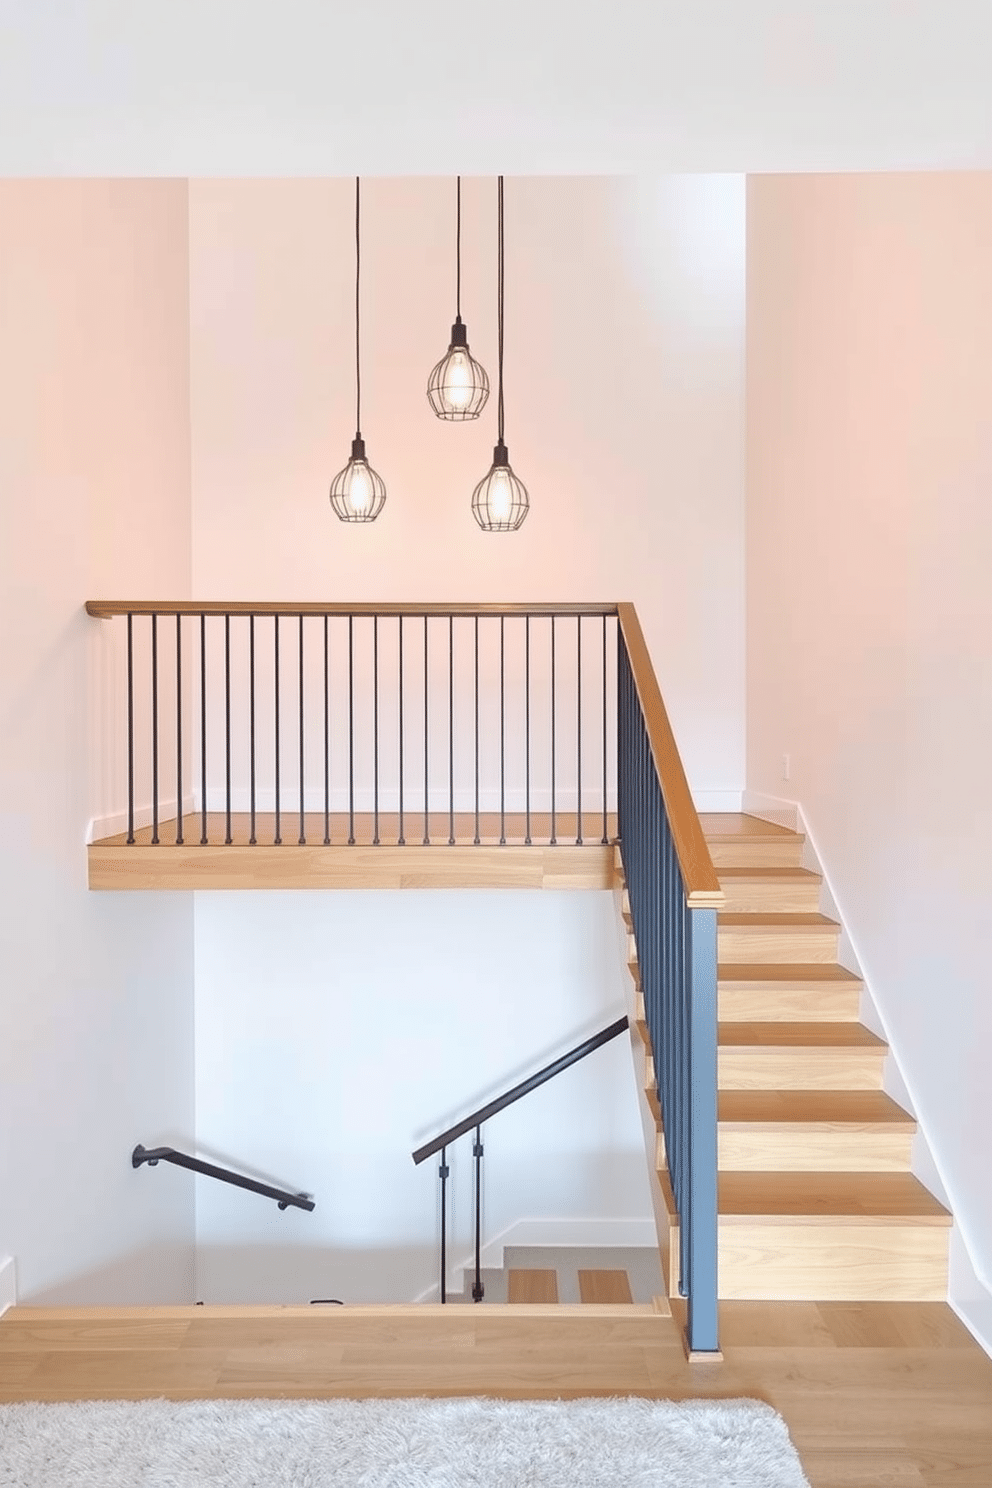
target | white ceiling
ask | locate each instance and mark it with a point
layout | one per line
(307, 87)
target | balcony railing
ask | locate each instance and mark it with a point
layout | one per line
(373, 725)
(334, 727)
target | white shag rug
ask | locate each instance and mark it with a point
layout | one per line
(449, 1443)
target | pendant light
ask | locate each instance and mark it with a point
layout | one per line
(358, 493)
(458, 387)
(500, 501)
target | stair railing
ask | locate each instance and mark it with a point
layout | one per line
(441, 1142)
(154, 1155)
(674, 895)
(375, 724)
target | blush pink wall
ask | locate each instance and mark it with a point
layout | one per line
(96, 1014)
(624, 407)
(869, 544)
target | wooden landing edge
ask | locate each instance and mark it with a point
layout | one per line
(629, 1311)
(339, 867)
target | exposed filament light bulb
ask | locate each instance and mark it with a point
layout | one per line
(500, 501)
(458, 387)
(357, 492)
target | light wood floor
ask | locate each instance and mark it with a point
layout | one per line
(873, 1393)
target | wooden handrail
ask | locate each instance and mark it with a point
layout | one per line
(103, 609)
(702, 887)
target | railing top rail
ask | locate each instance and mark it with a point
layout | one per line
(103, 609)
(702, 887)
(154, 1155)
(588, 1046)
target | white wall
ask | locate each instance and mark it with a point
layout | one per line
(624, 407)
(96, 1020)
(244, 87)
(337, 1032)
(869, 542)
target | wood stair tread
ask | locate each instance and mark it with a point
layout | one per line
(731, 826)
(867, 1197)
(781, 874)
(803, 1107)
(798, 1035)
(810, 972)
(532, 1285)
(770, 919)
(604, 1286)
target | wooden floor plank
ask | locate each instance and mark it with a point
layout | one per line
(873, 1393)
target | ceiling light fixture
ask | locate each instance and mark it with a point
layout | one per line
(358, 493)
(500, 501)
(458, 387)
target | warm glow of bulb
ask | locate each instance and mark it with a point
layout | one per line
(358, 488)
(457, 388)
(500, 496)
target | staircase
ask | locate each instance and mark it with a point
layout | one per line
(816, 1198)
(573, 1275)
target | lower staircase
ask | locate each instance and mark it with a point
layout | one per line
(614, 1276)
(816, 1199)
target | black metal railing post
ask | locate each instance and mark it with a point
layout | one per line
(179, 730)
(155, 842)
(478, 1290)
(130, 729)
(443, 1173)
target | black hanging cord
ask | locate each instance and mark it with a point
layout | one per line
(458, 248)
(499, 298)
(358, 280)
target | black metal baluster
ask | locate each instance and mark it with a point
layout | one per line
(303, 829)
(478, 1290)
(375, 730)
(451, 730)
(476, 838)
(605, 837)
(502, 734)
(443, 1172)
(578, 730)
(327, 737)
(179, 730)
(351, 730)
(130, 729)
(527, 725)
(227, 727)
(203, 730)
(154, 730)
(401, 840)
(553, 838)
(278, 836)
(427, 824)
(251, 724)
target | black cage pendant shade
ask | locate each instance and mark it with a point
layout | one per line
(500, 501)
(458, 387)
(358, 493)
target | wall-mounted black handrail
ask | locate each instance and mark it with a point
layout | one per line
(501, 1102)
(153, 1155)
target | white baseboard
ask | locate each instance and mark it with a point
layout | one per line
(8, 1283)
(771, 808)
(717, 800)
(968, 1294)
(116, 822)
